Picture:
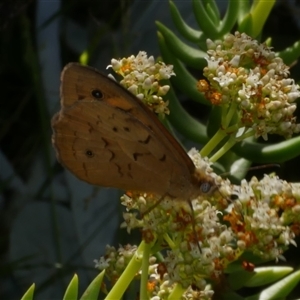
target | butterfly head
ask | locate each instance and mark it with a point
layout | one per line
(204, 183)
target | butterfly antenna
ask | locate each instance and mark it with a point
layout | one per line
(255, 168)
(153, 206)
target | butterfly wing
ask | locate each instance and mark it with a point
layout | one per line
(106, 136)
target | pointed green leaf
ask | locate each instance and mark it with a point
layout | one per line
(92, 292)
(260, 12)
(291, 54)
(230, 17)
(272, 153)
(239, 168)
(183, 122)
(244, 8)
(191, 56)
(72, 289)
(183, 80)
(279, 290)
(267, 275)
(246, 24)
(187, 32)
(206, 24)
(29, 293)
(213, 11)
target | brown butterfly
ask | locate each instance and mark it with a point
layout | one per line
(106, 136)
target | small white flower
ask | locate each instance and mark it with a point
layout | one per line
(166, 71)
(102, 263)
(163, 90)
(133, 89)
(141, 96)
(147, 84)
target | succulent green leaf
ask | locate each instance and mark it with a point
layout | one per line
(260, 12)
(183, 80)
(267, 275)
(92, 292)
(72, 289)
(246, 24)
(204, 21)
(239, 168)
(186, 31)
(244, 8)
(29, 293)
(272, 153)
(213, 11)
(187, 54)
(280, 289)
(291, 54)
(183, 122)
(230, 17)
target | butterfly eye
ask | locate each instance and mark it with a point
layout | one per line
(97, 94)
(205, 187)
(89, 153)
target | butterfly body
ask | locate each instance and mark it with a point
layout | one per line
(106, 136)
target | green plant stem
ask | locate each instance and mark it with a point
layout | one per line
(224, 131)
(145, 272)
(245, 135)
(213, 142)
(229, 115)
(125, 279)
(169, 241)
(229, 144)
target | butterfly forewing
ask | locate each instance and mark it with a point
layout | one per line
(104, 135)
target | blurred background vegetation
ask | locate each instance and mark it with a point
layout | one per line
(51, 224)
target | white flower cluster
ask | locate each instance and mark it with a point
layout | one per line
(141, 76)
(203, 241)
(250, 76)
(263, 215)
